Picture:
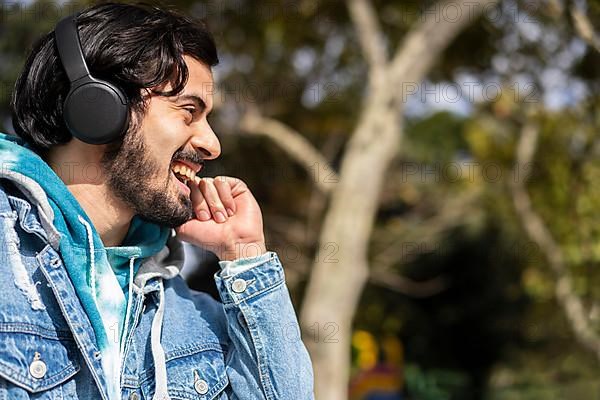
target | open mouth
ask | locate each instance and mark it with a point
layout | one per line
(184, 173)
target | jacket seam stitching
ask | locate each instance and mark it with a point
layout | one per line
(20, 327)
(93, 372)
(262, 292)
(51, 381)
(261, 355)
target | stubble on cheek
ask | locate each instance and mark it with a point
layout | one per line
(138, 179)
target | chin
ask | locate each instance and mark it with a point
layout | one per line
(170, 221)
(168, 208)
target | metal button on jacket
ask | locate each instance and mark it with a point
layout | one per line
(37, 368)
(200, 384)
(134, 396)
(239, 285)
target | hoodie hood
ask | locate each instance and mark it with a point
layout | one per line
(143, 240)
(103, 278)
(166, 264)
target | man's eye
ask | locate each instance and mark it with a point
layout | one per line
(191, 111)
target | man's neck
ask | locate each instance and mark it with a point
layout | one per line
(110, 221)
(110, 216)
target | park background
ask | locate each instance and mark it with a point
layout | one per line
(429, 175)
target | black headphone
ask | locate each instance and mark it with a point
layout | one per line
(95, 111)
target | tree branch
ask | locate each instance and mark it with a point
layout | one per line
(426, 236)
(424, 43)
(538, 232)
(407, 286)
(369, 35)
(429, 235)
(585, 29)
(293, 143)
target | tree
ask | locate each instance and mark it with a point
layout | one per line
(336, 283)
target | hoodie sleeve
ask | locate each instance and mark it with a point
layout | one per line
(268, 359)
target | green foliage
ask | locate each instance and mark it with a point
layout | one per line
(436, 384)
(496, 332)
(438, 138)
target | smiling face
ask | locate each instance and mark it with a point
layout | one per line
(140, 171)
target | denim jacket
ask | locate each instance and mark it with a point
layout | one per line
(180, 343)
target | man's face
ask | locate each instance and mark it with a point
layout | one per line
(140, 172)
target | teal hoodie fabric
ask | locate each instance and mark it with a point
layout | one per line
(101, 275)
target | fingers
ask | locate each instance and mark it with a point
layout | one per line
(225, 194)
(200, 205)
(211, 195)
(214, 197)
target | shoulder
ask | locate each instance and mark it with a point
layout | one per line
(28, 301)
(8, 190)
(13, 199)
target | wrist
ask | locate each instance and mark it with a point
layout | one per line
(243, 250)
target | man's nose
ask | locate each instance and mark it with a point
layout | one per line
(207, 142)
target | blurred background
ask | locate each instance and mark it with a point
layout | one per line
(429, 176)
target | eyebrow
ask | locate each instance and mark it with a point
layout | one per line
(192, 97)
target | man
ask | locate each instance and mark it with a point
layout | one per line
(92, 303)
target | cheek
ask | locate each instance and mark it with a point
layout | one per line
(163, 138)
(164, 126)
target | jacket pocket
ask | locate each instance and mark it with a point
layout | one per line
(35, 363)
(193, 373)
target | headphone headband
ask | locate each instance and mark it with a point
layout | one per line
(69, 49)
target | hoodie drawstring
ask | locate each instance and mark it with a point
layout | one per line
(114, 388)
(129, 302)
(88, 229)
(158, 353)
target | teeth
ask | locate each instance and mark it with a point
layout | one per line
(185, 171)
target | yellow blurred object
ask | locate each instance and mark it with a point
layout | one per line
(382, 375)
(367, 349)
(394, 351)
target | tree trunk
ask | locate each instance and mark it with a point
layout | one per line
(341, 268)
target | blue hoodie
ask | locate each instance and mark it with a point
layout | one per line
(101, 275)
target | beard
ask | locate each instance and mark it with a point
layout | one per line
(137, 179)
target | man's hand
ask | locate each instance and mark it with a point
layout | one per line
(238, 233)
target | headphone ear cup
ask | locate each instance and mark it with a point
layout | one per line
(96, 112)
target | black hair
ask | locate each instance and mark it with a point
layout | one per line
(133, 46)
